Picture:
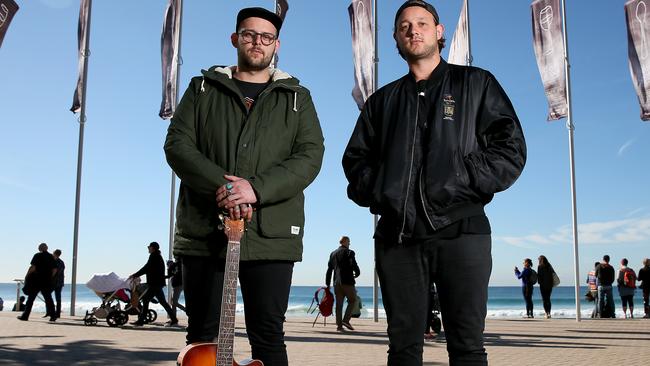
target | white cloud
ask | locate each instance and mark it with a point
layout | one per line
(622, 149)
(626, 231)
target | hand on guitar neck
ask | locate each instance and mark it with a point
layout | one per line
(221, 352)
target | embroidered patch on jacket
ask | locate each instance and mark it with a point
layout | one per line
(295, 230)
(448, 107)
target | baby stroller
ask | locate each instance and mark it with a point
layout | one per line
(113, 291)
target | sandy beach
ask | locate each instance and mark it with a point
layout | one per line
(509, 342)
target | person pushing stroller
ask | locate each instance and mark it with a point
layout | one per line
(155, 271)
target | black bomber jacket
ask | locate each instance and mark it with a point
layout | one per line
(476, 147)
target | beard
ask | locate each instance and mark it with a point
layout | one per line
(248, 62)
(411, 56)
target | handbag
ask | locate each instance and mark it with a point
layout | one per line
(556, 280)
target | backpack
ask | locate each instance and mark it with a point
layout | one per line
(532, 278)
(324, 304)
(629, 278)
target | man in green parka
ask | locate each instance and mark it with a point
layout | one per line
(245, 139)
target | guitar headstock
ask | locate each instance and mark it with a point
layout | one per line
(234, 229)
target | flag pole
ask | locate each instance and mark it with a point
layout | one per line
(82, 122)
(172, 201)
(571, 128)
(470, 58)
(375, 285)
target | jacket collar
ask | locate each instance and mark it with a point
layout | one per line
(434, 78)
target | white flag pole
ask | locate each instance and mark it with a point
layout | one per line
(82, 121)
(571, 128)
(470, 58)
(172, 201)
(375, 285)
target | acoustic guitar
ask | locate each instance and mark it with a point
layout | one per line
(220, 353)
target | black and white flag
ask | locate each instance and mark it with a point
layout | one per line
(8, 9)
(548, 42)
(83, 38)
(459, 49)
(281, 8)
(637, 16)
(363, 50)
(169, 54)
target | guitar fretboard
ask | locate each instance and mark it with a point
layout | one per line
(225, 340)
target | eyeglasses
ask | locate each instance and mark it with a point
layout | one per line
(249, 36)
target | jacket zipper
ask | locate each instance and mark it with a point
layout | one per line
(424, 207)
(408, 186)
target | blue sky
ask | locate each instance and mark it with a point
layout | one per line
(126, 181)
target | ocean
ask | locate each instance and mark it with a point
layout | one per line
(503, 302)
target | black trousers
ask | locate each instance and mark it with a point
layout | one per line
(49, 303)
(460, 268)
(546, 298)
(159, 294)
(265, 289)
(57, 297)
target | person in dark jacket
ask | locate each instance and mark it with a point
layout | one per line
(39, 278)
(175, 272)
(527, 285)
(644, 277)
(545, 273)
(154, 269)
(428, 152)
(345, 269)
(605, 274)
(59, 278)
(20, 305)
(245, 139)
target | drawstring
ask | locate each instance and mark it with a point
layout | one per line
(202, 82)
(295, 101)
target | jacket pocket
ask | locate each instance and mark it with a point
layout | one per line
(285, 219)
(447, 182)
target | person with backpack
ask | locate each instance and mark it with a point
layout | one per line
(626, 284)
(345, 269)
(545, 274)
(528, 278)
(644, 277)
(605, 275)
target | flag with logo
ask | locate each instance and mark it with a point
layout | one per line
(169, 54)
(83, 34)
(459, 49)
(637, 16)
(548, 42)
(363, 50)
(8, 9)
(281, 8)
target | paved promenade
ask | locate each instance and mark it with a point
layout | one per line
(509, 342)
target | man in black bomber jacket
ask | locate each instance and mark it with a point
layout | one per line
(428, 152)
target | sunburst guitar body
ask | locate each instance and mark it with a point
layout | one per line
(221, 352)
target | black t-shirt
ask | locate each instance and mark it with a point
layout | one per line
(44, 263)
(250, 91)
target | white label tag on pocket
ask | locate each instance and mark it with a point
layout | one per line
(295, 230)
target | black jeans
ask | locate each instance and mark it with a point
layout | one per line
(460, 268)
(159, 294)
(546, 298)
(527, 291)
(265, 289)
(57, 297)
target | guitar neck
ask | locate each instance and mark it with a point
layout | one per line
(225, 340)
